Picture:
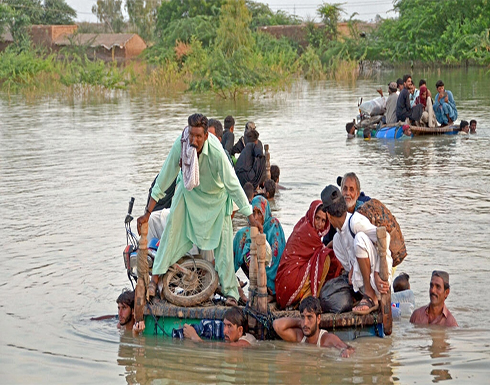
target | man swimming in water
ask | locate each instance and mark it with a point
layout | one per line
(235, 324)
(307, 330)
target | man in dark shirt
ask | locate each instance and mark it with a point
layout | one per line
(228, 136)
(403, 108)
(242, 142)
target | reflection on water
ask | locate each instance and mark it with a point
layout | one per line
(68, 169)
(146, 360)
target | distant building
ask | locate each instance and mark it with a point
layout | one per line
(299, 33)
(5, 40)
(46, 35)
(104, 46)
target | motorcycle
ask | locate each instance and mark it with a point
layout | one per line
(189, 282)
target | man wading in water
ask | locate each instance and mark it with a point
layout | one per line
(307, 330)
(235, 328)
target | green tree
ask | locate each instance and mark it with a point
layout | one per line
(109, 12)
(19, 15)
(330, 14)
(202, 28)
(143, 14)
(234, 32)
(262, 15)
(58, 12)
(430, 30)
(184, 9)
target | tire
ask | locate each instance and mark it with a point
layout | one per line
(199, 289)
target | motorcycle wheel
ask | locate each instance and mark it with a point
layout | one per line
(182, 290)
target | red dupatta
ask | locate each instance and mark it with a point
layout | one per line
(303, 257)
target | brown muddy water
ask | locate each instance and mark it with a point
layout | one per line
(68, 169)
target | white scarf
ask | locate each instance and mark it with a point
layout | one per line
(189, 162)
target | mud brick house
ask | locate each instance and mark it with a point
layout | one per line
(106, 46)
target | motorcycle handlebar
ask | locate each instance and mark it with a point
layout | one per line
(131, 203)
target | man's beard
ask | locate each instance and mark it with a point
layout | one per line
(312, 331)
(126, 321)
(350, 203)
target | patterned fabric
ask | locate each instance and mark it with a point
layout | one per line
(379, 215)
(275, 237)
(307, 264)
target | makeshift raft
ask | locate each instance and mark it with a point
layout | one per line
(396, 131)
(164, 318)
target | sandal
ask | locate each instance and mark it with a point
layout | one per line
(152, 289)
(365, 301)
(230, 301)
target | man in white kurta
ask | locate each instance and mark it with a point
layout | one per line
(354, 244)
(201, 215)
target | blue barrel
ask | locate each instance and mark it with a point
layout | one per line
(395, 132)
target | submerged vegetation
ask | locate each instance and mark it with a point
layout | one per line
(217, 45)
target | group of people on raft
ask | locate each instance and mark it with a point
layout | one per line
(416, 106)
(332, 237)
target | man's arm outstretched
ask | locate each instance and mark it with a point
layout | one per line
(289, 329)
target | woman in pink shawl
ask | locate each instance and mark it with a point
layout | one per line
(306, 263)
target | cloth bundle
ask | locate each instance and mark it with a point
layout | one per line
(189, 162)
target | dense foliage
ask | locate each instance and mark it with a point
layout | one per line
(18, 15)
(216, 45)
(450, 31)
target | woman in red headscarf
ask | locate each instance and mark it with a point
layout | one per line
(424, 98)
(306, 263)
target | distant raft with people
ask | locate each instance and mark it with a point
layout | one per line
(396, 131)
(370, 124)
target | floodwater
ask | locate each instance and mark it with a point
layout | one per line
(69, 167)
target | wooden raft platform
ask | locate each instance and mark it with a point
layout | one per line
(166, 317)
(416, 130)
(162, 308)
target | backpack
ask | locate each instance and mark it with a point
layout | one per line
(379, 215)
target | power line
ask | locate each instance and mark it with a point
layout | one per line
(46, 9)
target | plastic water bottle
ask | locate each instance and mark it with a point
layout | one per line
(406, 309)
(395, 310)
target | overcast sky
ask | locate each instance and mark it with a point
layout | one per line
(367, 9)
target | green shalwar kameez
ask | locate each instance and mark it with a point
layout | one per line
(201, 216)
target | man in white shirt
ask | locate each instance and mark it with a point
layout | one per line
(355, 247)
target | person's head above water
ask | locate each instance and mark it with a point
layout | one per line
(310, 311)
(125, 307)
(275, 172)
(464, 126)
(350, 128)
(235, 324)
(401, 283)
(269, 189)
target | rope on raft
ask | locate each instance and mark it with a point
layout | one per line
(266, 320)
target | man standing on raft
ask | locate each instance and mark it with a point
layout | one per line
(202, 205)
